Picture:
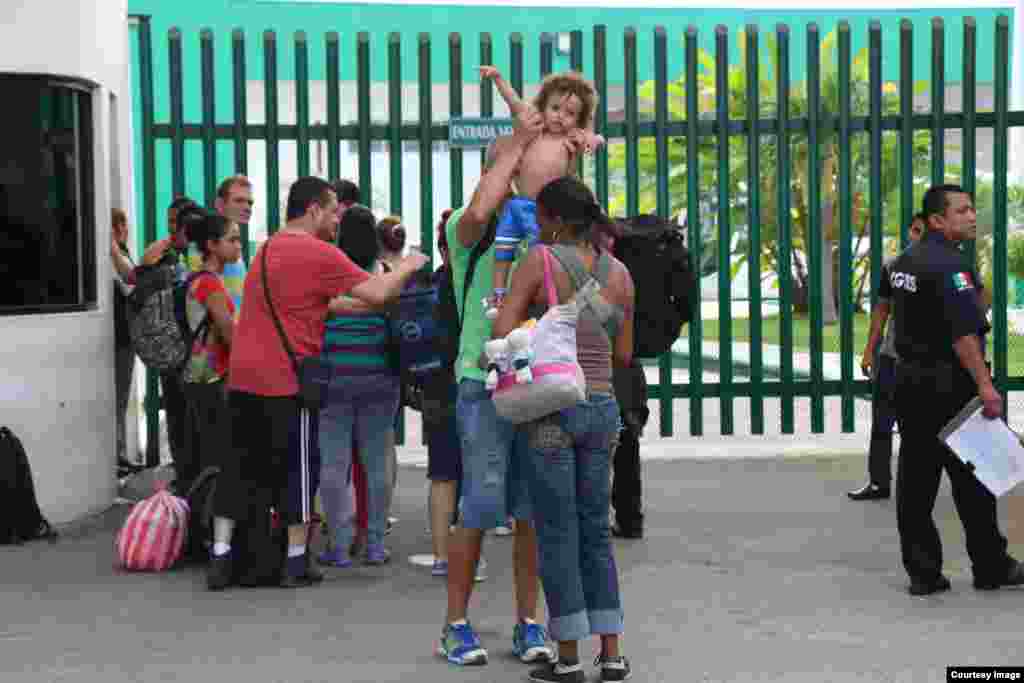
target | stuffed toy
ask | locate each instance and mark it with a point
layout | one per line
(520, 350)
(497, 361)
(513, 353)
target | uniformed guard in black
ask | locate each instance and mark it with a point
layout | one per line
(940, 328)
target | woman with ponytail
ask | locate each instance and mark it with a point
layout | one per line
(210, 312)
(571, 450)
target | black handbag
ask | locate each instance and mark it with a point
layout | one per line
(312, 372)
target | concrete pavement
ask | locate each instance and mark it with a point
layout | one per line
(753, 569)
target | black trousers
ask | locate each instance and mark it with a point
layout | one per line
(207, 429)
(883, 417)
(627, 483)
(275, 456)
(926, 401)
(173, 392)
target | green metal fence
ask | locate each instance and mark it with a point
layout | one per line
(688, 132)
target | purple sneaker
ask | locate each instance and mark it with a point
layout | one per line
(377, 554)
(334, 558)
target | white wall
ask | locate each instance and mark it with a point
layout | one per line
(56, 371)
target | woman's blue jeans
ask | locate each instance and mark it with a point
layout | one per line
(570, 455)
(360, 408)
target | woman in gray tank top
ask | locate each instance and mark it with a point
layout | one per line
(571, 451)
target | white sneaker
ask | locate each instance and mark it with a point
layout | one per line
(504, 529)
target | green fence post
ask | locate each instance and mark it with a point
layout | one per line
(332, 79)
(576, 64)
(782, 185)
(547, 53)
(486, 86)
(145, 38)
(576, 50)
(240, 127)
(302, 103)
(363, 108)
(177, 135)
(209, 117)
(754, 219)
(845, 231)
(1000, 144)
(723, 179)
(906, 129)
(152, 399)
(601, 115)
(177, 113)
(515, 50)
(454, 110)
(814, 227)
(753, 73)
(632, 121)
(270, 114)
(426, 156)
(969, 91)
(662, 201)
(693, 227)
(394, 150)
(426, 150)
(395, 121)
(938, 92)
(875, 153)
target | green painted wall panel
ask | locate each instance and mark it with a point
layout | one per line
(316, 20)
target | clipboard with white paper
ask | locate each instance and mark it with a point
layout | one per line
(988, 447)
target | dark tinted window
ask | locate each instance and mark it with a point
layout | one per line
(47, 217)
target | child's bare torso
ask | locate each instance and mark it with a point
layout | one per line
(545, 159)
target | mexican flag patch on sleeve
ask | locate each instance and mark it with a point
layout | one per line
(962, 281)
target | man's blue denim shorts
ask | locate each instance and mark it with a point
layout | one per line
(493, 461)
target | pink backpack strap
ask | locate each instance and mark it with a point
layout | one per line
(549, 280)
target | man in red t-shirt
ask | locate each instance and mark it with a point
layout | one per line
(273, 435)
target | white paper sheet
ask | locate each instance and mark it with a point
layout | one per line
(990, 446)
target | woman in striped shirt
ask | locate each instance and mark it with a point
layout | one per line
(362, 401)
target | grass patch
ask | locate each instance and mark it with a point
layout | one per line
(770, 329)
(831, 337)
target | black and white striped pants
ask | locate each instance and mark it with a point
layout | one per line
(275, 449)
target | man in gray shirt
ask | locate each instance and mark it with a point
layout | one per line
(879, 363)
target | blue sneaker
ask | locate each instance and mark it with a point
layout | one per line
(459, 645)
(440, 568)
(530, 643)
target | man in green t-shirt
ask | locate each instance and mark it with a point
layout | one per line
(493, 487)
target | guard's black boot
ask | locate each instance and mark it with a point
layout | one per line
(870, 491)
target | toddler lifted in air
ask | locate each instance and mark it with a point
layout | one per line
(566, 102)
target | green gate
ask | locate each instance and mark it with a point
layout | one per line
(687, 139)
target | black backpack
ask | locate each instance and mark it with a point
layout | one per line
(200, 498)
(654, 252)
(259, 544)
(20, 517)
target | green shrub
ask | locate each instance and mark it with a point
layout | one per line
(1015, 254)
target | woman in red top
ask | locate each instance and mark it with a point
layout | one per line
(210, 313)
